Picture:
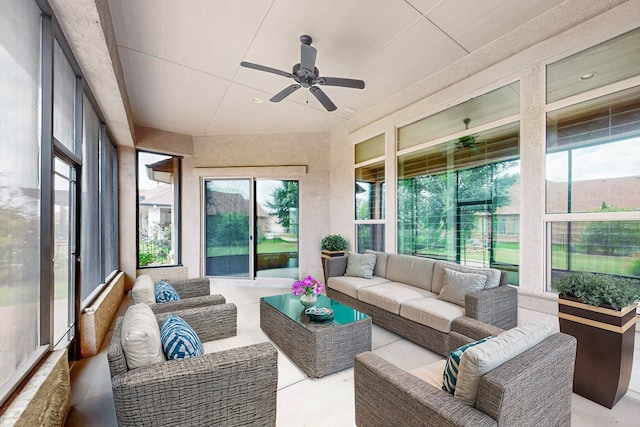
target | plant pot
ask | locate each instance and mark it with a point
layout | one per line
(604, 356)
(308, 300)
(331, 254)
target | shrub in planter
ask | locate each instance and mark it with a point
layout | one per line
(334, 242)
(599, 289)
(599, 310)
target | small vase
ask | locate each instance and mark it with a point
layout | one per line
(308, 300)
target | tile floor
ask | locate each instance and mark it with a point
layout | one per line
(330, 397)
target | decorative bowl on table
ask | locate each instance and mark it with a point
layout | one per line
(319, 314)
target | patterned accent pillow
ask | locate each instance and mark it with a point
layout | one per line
(179, 340)
(165, 292)
(450, 376)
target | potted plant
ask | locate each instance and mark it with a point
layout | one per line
(333, 245)
(600, 311)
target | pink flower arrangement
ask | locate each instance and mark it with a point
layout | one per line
(308, 285)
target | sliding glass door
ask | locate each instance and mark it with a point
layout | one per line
(276, 229)
(251, 228)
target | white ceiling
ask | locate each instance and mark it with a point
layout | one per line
(181, 59)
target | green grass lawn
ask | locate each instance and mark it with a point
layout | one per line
(266, 247)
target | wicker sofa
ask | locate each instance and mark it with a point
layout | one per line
(403, 296)
(533, 388)
(232, 387)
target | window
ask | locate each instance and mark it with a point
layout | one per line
(20, 210)
(370, 194)
(158, 204)
(108, 204)
(459, 200)
(593, 162)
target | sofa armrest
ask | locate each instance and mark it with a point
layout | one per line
(187, 303)
(335, 266)
(189, 288)
(232, 387)
(465, 330)
(496, 306)
(387, 395)
(210, 322)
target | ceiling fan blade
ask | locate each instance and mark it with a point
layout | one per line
(323, 98)
(284, 93)
(267, 69)
(308, 57)
(337, 81)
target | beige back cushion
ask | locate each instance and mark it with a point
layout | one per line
(140, 338)
(380, 268)
(493, 274)
(411, 270)
(482, 358)
(144, 290)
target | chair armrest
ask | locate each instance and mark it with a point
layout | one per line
(336, 266)
(496, 306)
(386, 395)
(187, 303)
(465, 330)
(232, 387)
(533, 387)
(189, 288)
(210, 322)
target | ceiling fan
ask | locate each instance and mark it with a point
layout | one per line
(308, 76)
(468, 141)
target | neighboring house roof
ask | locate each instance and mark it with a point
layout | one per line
(219, 203)
(160, 196)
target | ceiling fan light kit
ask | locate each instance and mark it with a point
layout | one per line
(308, 76)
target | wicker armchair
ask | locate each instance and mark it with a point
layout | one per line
(193, 293)
(532, 389)
(234, 387)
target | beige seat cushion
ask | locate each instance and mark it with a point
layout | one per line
(144, 290)
(431, 373)
(351, 285)
(389, 296)
(482, 358)
(432, 312)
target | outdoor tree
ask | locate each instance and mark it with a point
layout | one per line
(427, 204)
(283, 199)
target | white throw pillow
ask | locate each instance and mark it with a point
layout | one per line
(140, 338)
(458, 284)
(360, 265)
(481, 359)
(144, 290)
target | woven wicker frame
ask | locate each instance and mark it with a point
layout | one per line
(496, 306)
(532, 389)
(235, 387)
(318, 349)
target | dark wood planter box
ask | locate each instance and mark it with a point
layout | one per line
(604, 356)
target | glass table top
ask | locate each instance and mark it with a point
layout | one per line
(291, 306)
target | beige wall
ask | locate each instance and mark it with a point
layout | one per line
(303, 157)
(274, 156)
(483, 71)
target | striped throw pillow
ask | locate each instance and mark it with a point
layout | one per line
(450, 375)
(165, 292)
(179, 340)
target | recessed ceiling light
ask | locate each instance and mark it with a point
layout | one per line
(588, 76)
(349, 110)
(256, 100)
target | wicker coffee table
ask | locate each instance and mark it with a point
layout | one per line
(318, 349)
